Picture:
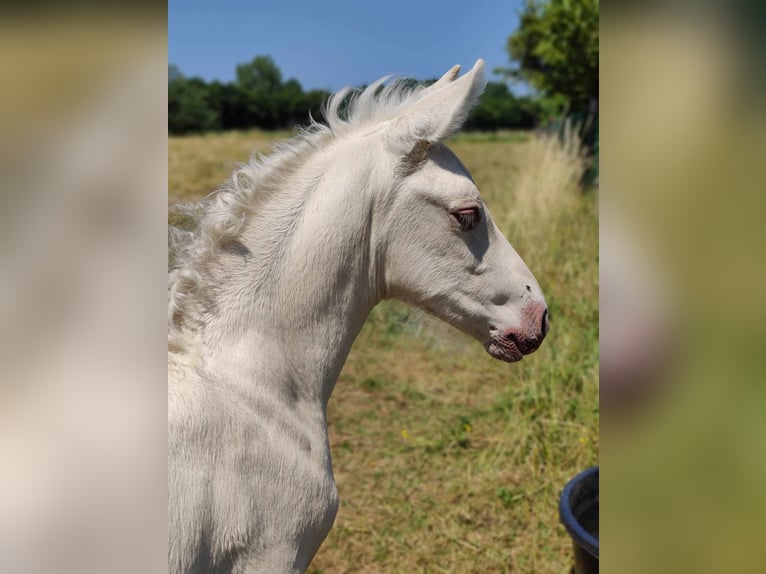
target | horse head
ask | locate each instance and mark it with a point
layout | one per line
(443, 251)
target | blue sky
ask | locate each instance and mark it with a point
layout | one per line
(333, 43)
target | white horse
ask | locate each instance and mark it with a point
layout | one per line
(267, 296)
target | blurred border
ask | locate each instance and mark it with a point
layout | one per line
(682, 313)
(83, 195)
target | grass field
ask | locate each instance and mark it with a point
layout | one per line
(447, 460)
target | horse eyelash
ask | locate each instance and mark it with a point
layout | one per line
(467, 219)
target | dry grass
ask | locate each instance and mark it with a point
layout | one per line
(198, 164)
(447, 460)
(553, 169)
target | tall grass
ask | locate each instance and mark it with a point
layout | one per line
(549, 183)
(447, 460)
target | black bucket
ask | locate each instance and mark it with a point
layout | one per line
(578, 510)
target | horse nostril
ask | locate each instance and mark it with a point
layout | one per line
(545, 323)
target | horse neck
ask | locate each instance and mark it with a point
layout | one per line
(289, 298)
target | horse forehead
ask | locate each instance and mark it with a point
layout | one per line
(445, 159)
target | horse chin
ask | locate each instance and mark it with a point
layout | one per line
(506, 351)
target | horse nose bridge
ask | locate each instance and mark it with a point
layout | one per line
(514, 267)
(513, 277)
(524, 286)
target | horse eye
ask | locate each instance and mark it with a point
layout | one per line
(466, 219)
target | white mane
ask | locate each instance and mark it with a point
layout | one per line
(219, 217)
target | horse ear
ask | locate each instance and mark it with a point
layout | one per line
(446, 78)
(441, 110)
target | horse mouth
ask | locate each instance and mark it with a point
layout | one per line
(503, 349)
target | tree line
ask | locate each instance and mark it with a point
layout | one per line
(554, 50)
(259, 97)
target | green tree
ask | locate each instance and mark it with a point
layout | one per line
(229, 100)
(261, 74)
(290, 104)
(174, 73)
(189, 109)
(498, 108)
(555, 49)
